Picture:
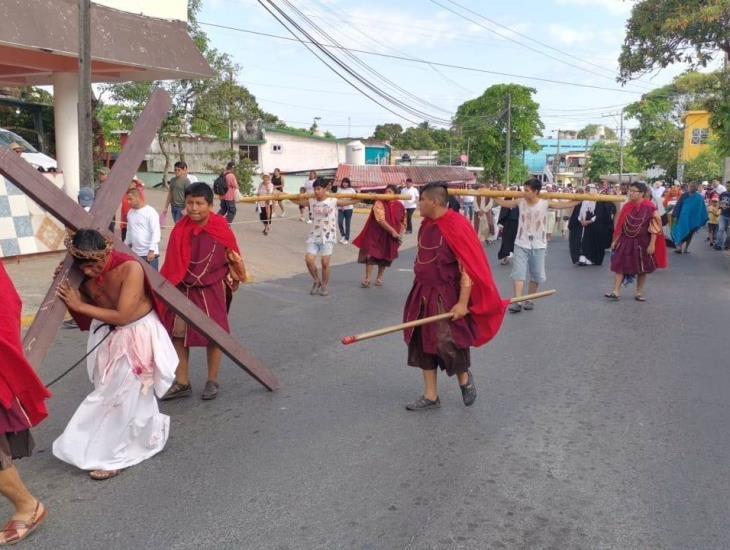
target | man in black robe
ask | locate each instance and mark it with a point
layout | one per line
(591, 227)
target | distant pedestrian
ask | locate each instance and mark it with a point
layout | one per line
(531, 242)
(277, 179)
(468, 206)
(344, 213)
(713, 213)
(690, 215)
(176, 191)
(411, 204)
(723, 235)
(638, 248)
(126, 207)
(86, 198)
(228, 201)
(302, 207)
(265, 208)
(309, 188)
(381, 237)
(143, 228)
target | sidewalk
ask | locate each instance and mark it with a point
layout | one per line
(278, 255)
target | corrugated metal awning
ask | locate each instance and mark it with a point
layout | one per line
(40, 37)
(373, 177)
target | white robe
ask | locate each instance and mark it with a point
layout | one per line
(119, 424)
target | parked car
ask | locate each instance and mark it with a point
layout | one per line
(35, 158)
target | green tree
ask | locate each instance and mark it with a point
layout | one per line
(244, 169)
(591, 130)
(415, 137)
(387, 132)
(708, 165)
(482, 123)
(605, 158)
(662, 32)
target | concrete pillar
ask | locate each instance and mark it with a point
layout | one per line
(65, 116)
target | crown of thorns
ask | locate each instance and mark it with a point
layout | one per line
(80, 254)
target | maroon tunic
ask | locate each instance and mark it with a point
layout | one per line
(204, 285)
(436, 290)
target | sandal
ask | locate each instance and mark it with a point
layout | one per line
(613, 296)
(365, 284)
(103, 475)
(379, 282)
(176, 391)
(469, 390)
(16, 530)
(639, 298)
(315, 289)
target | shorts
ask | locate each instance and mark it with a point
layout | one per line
(528, 264)
(320, 249)
(14, 445)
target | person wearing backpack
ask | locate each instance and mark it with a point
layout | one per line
(176, 191)
(228, 197)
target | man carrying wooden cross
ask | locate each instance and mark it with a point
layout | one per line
(452, 274)
(131, 358)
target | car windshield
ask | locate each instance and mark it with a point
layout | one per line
(7, 138)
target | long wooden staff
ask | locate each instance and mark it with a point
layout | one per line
(548, 196)
(347, 340)
(303, 196)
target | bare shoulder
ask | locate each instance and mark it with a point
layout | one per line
(131, 270)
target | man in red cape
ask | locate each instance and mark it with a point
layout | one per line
(203, 261)
(380, 238)
(452, 274)
(22, 406)
(638, 243)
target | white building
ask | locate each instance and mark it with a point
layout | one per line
(291, 150)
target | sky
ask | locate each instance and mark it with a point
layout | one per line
(292, 83)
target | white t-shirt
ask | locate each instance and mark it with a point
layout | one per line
(346, 191)
(532, 227)
(264, 190)
(413, 193)
(324, 221)
(143, 230)
(468, 199)
(309, 186)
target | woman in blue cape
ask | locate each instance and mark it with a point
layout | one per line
(690, 215)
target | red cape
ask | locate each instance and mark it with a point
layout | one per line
(17, 377)
(115, 260)
(179, 248)
(660, 252)
(486, 306)
(373, 239)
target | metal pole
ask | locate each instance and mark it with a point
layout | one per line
(556, 162)
(86, 159)
(508, 149)
(621, 150)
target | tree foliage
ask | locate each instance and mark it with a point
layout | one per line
(662, 32)
(482, 122)
(708, 165)
(590, 131)
(606, 159)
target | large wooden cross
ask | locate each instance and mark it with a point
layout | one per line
(44, 329)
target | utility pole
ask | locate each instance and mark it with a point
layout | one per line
(508, 149)
(726, 171)
(86, 158)
(556, 162)
(621, 149)
(230, 107)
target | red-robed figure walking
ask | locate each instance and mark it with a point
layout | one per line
(452, 274)
(380, 238)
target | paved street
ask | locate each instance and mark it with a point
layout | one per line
(598, 425)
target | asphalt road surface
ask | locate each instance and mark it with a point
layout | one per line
(598, 425)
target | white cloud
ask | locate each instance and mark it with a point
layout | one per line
(616, 7)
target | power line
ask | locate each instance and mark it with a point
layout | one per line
(526, 36)
(425, 62)
(507, 37)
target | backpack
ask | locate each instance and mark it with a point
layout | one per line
(220, 185)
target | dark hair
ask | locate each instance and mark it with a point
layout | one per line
(89, 240)
(437, 192)
(640, 185)
(319, 182)
(231, 165)
(181, 164)
(200, 189)
(347, 181)
(392, 187)
(409, 179)
(534, 184)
